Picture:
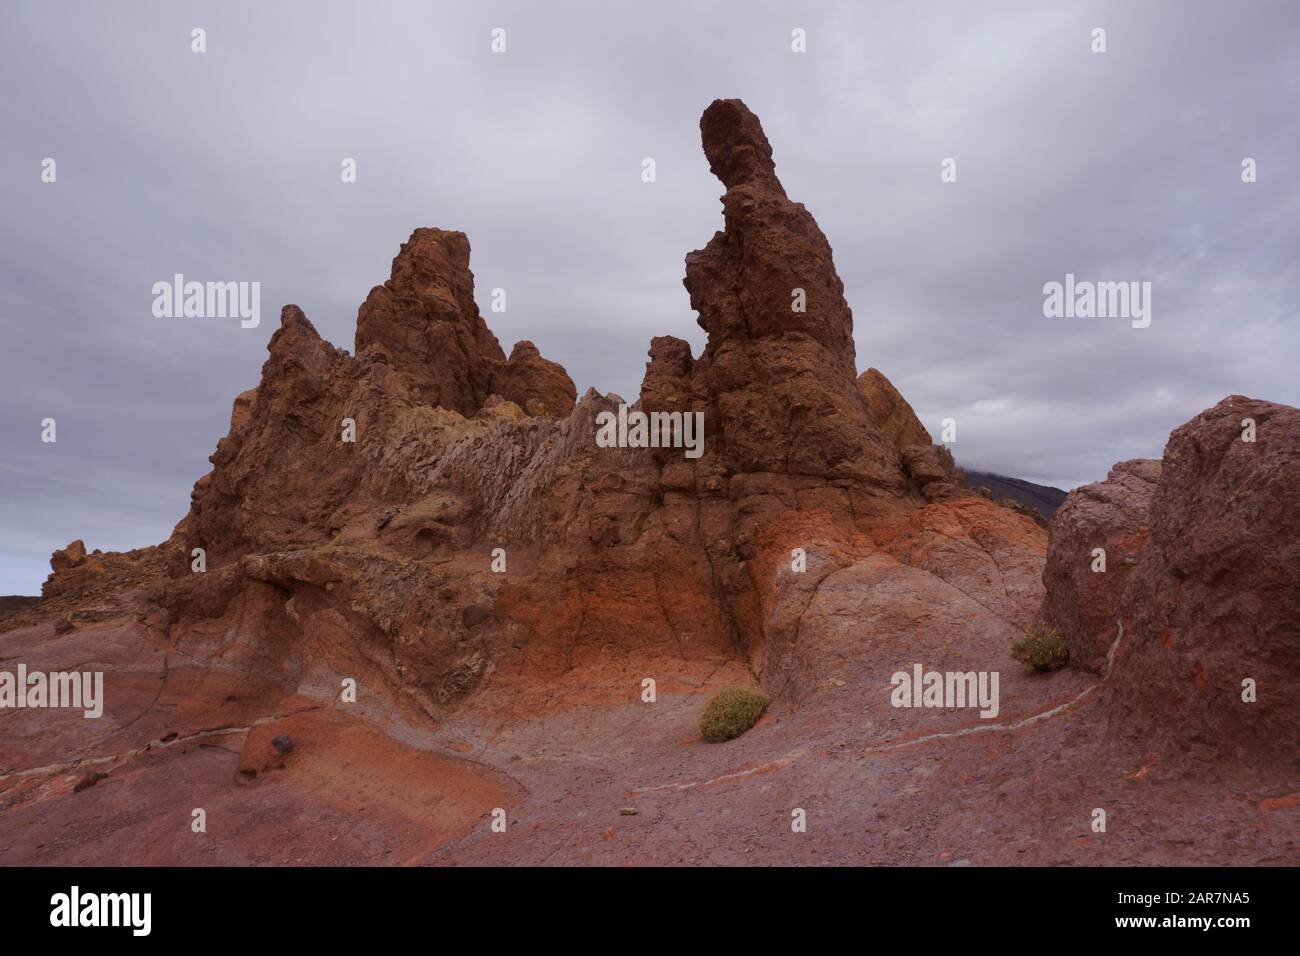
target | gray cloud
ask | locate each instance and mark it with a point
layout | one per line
(225, 166)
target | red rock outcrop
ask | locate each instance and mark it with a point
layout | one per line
(778, 383)
(537, 385)
(929, 468)
(1197, 608)
(1211, 609)
(359, 501)
(70, 557)
(890, 411)
(424, 323)
(82, 586)
(1082, 603)
(439, 524)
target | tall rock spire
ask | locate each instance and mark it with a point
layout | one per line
(424, 323)
(778, 373)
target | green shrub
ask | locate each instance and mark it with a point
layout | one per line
(730, 712)
(1043, 650)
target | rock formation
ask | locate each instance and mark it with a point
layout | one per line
(1111, 515)
(437, 523)
(777, 383)
(423, 322)
(362, 496)
(1200, 586)
(1214, 600)
(890, 411)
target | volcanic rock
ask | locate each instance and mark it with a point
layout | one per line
(890, 412)
(779, 384)
(1112, 515)
(242, 410)
(70, 557)
(88, 780)
(424, 323)
(352, 489)
(1210, 610)
(434, 526)
(1033, 514)
(537, 385)
(77, 576)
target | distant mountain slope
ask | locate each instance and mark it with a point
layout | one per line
(16, 602)
(1044, 498)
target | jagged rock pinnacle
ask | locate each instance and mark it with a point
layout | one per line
(735, 146)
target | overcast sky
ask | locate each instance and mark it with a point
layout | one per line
(1123, 165)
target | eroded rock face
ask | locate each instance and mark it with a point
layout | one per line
(437, 524)
(928, 468)
(80, 584)
(424, 323)
(537, 385)
(69, 557)
(1214, 600)
(439, 518)
(1199, 598)
(890, 411)
(779, 384)
(1112, 515)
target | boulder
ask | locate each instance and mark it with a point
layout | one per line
(1084, 604)
(1209, 665)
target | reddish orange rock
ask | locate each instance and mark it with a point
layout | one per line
(1219, 572)
(1111, 515)
(431, 527)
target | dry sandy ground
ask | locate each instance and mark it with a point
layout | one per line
(620, 782)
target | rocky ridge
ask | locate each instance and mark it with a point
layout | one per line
(434, 521)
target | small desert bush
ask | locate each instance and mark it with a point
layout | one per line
(1043, 650)
(731, 712)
